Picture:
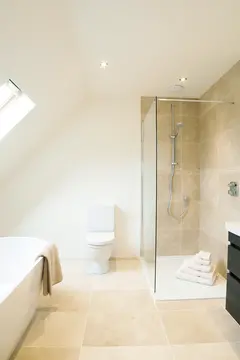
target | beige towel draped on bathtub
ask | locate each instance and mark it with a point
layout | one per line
(52, 272)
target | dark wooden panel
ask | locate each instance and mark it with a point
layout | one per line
(234, 260)
(233, 297)
(234, 239)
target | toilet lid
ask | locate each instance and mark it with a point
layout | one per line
(100, 238)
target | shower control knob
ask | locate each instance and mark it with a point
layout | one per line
(233, 188)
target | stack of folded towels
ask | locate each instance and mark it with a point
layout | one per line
(198, 269)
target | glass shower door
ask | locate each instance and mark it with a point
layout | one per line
(149, 188)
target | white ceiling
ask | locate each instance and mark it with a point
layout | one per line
(148, 44)
(151, 43)
(52, 49)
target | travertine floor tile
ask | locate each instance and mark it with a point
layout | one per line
(189, 304)
(125, 280)
(73, 282)
(236, 348)
(48, 354)
(126, 353)
(56, 329)
(64, 299)
(189, 327)
(122, 301)
(225, 323)
(220, 351)
(124, 329)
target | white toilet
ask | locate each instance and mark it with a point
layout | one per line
(100, 238)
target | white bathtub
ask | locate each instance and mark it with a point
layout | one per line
(20, 286)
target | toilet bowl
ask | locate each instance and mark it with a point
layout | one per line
(100, 238)
(100, 249)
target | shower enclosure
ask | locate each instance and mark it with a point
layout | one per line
(171, 203)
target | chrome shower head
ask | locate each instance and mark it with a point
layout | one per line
(179, 125)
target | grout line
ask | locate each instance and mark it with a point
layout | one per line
(86, 320)
(165, 332)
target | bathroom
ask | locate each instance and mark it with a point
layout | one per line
(103, 91)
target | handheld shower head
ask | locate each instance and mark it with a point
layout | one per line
(179, 125)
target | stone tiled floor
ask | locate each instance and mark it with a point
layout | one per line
(113, 317)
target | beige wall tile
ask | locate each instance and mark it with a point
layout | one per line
(191, 220)
(187, 109)
(126, 265)
(164, 127)
(164, 108)
(166, 222)
(191, 184)
(209, 125)
(190, 131)
(228, 116)
(208, 155)
(163, 186)
(169, 242)
(190, 156)
(228, 148)
(209, 185)
(185, 182)
(189, 242)
(164, 157)
(219, 163)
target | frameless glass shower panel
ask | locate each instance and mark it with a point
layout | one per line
(178, 178)
(149, 192)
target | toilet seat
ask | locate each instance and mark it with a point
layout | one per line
(100, 238)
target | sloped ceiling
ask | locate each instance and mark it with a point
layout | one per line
(148, 44)
(151, 43)
(52, 49)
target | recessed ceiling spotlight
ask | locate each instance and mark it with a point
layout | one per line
(182, 79)
(103, 65)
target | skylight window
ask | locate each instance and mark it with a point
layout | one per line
(14, 106)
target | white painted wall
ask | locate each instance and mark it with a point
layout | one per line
(94, 158)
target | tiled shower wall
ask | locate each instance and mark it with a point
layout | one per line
(208, 156)
(178, 237)
(219, 127)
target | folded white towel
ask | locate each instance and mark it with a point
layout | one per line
(200, 261)
(196, 266)
(205, 275)
(204, 255)
(196, 279)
